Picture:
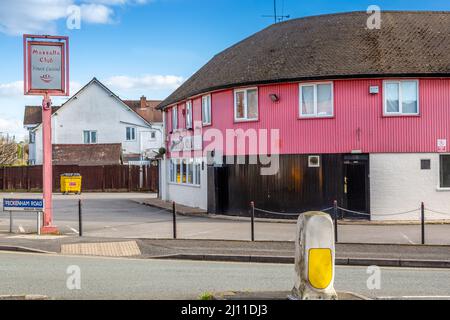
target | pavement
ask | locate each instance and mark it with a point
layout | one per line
(121, 215)
(221, 250)
(116, 224)
(125, 278)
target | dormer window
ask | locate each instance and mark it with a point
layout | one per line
(316, 100)
(246, 104)
(174, 118)
(189, 115)
(401, 97)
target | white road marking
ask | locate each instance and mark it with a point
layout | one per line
(414, 298)
(406, 237)
(74, 230)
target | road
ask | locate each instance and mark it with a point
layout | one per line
(108, 278)
(118, 215)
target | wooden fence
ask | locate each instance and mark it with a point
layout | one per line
(94, 178)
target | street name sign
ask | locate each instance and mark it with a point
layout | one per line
(23, 205)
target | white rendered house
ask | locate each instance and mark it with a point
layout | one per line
(95, 115)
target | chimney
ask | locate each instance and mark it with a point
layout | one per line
(143, 102)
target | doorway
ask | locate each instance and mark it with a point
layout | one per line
(356, 185)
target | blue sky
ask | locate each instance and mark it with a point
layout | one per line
(145, 47)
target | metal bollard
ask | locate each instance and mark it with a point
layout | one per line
(335, 210)
(80, 219)
(252, 208)
(174, 211)
(422, 213)
(38, 223)
(10, 222)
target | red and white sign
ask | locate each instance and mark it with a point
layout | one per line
(442, 145)
(46, 65)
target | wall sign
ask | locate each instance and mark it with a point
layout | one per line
(442, 145)
(46, 65)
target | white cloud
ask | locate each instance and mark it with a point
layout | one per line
(11, 89)
(41, 16)
(15, 89)
(144, 83)
(11, 127)
(96, 13)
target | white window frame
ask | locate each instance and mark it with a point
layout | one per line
(206, 97)
(174, 162)
(132, 136)
(245, 118)
(400, 98)
(314, 85)
(312, 165)
(90, 136)
(189, 115)
(174, 118)
(440, 187)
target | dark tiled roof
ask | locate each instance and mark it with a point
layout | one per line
(33, 114)
(329, 46)
(87, 154)
(149, 113)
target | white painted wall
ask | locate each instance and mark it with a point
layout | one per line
(398, 184)
(95, 109)
(192, 196)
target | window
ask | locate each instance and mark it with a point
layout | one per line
(175, 118)
(425, 164)
(206, 110)
(189, 115)
(401, 97)
(444, 171)
(32, 137)
(246, 104)
(314, 161)
(316, 100)
(131, 134)
(153, 135)
(90, 136)
(185, 171)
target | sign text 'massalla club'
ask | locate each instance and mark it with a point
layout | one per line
(46, 66)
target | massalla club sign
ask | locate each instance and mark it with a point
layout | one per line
(46, 64)
(46, 67)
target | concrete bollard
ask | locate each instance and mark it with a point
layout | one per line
(314, 258)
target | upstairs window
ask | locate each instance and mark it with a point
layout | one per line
(174, 118)
(401, 97)
(246, 104)
(316, 100)
(206, 110)
(189, 115)
(89, 136)
(444, 171)
(130, 134)
(32, 137)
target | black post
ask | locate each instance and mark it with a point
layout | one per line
(80, 219)
(335, 210)
(422, 211)
(252, 208)
(174, 220)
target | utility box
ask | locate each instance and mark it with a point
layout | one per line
(71, 183)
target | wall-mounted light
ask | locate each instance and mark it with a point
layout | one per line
(274, 97)
(374, 89)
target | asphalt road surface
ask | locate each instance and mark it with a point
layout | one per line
(108, 278)
(120, 216)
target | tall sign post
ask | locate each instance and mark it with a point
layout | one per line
(46, 73)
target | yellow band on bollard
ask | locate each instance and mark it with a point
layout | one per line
(320, 268)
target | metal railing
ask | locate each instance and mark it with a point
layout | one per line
(422, 209)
